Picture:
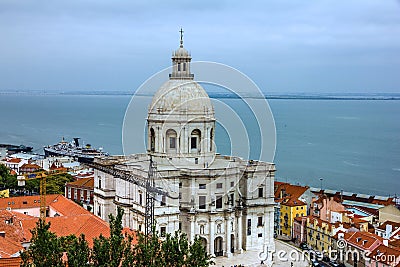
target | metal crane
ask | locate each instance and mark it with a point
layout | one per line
(42, 186)
(148, 184)
(42, 176)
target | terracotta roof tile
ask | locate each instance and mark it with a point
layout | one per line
(290, 190)
(83, 182)
(14, 160)
(292, 202)
(364, 240)
(394, 225)
(10, 262)
(31, 166)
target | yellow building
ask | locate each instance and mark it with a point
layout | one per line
(5, 193)
(319, 233)
(290, 208)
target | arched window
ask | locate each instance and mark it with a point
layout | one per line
(171, 141)
(195, 138)
(152, 140)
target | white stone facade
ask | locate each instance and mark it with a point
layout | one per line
(227, 201)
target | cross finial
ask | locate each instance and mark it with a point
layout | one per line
(181, 31)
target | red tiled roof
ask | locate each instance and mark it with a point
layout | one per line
(395, 243)
(83, 182)
(394, 225)
(294, 191)
(59, 203)
(14, 160)
(87, 224)
(363, 240)
(292, 202)
(10, 262)
(30, 166)
(319, 222)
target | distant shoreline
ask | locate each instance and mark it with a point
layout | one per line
(268, 96)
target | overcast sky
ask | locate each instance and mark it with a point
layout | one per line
(283, 45)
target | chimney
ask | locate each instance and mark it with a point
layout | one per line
(388, 230)
(2, 234)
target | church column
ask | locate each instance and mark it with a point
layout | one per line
(192, 227)
(228, 237)
(212, 237)
(239, 234)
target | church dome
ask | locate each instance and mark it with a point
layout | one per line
(181, 52)
(181, 97)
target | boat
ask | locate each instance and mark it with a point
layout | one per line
(18, 149)
(75, 150)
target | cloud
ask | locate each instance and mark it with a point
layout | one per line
(107, 40)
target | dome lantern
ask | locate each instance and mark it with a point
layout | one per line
(181, 62)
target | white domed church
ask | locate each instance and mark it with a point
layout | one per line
(227, 201)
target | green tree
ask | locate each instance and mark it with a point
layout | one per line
(45, 249)
(78, 251)
(174, 251)
(110, 251)
(198, 255)
(6, 179)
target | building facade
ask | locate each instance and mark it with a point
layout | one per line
(81, 191)
(226, 201)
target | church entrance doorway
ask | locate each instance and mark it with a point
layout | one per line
(218, 250)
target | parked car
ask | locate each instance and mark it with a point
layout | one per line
(303, 246)
(314, 263)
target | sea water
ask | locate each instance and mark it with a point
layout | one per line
(353, 145)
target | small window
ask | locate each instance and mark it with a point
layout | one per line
(184, 66)
(193, 142)
(180, 226)
(248, 226)
(180, 185)
(99, 182)
(260, 192)
(219, 185)
(163, 230)
(202, 202)
(24, 202)
(196, 161)
(260, 235)
(218, 202)
(180, 195)
(232, 184)
(202, 186)
(260, 221)
(140, 199)
(172, 142)
(140, 227)
(179, 66)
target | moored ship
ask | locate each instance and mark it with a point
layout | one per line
(74, 149)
